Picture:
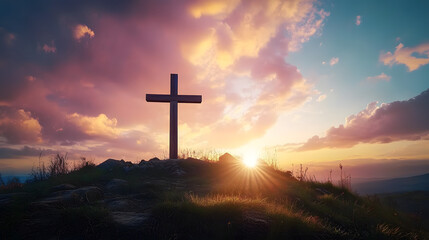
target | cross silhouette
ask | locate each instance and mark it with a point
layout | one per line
(173, 99)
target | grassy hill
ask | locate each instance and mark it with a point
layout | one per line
(193, 199)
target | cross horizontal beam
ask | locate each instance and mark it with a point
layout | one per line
(170, 98)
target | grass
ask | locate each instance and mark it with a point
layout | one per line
(216, 202)
(224, 217)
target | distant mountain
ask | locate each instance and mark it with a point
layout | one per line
(415, 183)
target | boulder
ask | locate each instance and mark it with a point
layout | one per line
(81, 195)
(256, 225)
(142, 162)
(63, 187)
(155, 159)
(110, 164)
(130, 219)
(179, 172)
(120, 204)
(227, 159)
(116, 185)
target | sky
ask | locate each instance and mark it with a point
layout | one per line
(316, 83)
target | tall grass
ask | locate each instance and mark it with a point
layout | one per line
(345, 180)
(210, 155)
(58, 165)
(269, 156)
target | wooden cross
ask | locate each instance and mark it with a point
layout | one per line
(173, 99)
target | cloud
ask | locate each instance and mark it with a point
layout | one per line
(49, 48)
(14, 153)
(100, 126)
(321, 98)
(231, 52)
(212, 8)
(400, 120)
(18, 126)
(302, 31)
(382, 76)
(81, 31)
(8, 38)
(334, 61)
(358, 20)
(413, 57)
(30, 78)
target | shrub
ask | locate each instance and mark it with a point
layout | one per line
(58, 165)
(40, 172)
(84, 163)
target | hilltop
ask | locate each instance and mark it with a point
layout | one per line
(194, 199)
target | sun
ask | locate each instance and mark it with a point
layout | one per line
(250, 160)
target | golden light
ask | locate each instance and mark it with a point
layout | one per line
(250, 160)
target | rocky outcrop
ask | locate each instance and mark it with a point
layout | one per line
(88, 194)
(116, 185)
(227, 159)
(170, 166)
(130, 219)
(111, 164)
(63, 187)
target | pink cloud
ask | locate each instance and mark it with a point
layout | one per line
(302, 31)
(404, 55)
(401, 120)
(382, 76)
(95, 126)
(18, 126)
(321, 98)
(49, 48)
(7, 37)
(94, 92)
(358, 20)
(334, 61)
(81, 31)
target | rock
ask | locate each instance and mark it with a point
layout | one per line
(179, 172)
(116, 185)
(227, 159)
(81, 195)
(120, 204)
(63, 187)
(142, 162)
(171, 166)
(110, 164)
(155, 159)
(130, 219)
(256, 224)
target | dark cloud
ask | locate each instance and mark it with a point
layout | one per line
(26, 151)
(400, 120)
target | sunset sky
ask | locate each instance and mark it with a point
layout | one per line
(315, 82)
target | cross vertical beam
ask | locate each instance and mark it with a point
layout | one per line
(174, 98)
(173, 118)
